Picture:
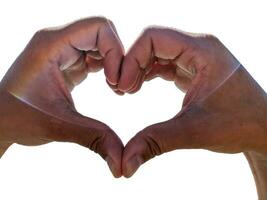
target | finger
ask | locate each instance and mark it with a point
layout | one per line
(185, 131)
(94, 63)
(89, 133)
(34, 126)
(138, 84)
(97, 34)
(113, 55)
(78, 71)
(166, 72)
(163, 43)
(115, 89)
(182, 81)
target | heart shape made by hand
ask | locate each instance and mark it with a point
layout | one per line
(216, 114)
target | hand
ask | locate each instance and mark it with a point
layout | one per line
(35, 102)
(224, 109)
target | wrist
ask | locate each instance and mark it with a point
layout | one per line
(5, 121)
(258, 165)
(261, 125)
(3, 144)
(253, 101)
(2, 117)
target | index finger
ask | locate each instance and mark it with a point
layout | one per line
(155, 42)
(99, 34)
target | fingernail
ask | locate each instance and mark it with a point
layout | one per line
(132, 165)
(112, 167)
(118, 92)
(111, 83)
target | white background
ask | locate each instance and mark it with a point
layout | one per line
(68, 171)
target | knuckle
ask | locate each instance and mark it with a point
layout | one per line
(101, 20)
(209, 45)
(150, 30)
(96, 144)
(153, 146)
(96, 21)
(211, 38)
(104, 142)
(45, 37)
(43, 33)
(40, 32)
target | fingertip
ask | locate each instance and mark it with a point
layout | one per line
(112, 66)
(123, 88)
(141, 148)
(130, 72)
(115, 88)
(132, 157)
(138, 84)
(119, 92)
(111, 82)
(131, 166)
(113, 148)
(117, 173)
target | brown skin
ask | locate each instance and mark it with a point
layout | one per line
(224, 109)
(35, 103)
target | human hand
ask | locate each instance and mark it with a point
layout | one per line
(35, 102)
(223, 109)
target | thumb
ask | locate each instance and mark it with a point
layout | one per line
(180, 132)
(90, 133)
